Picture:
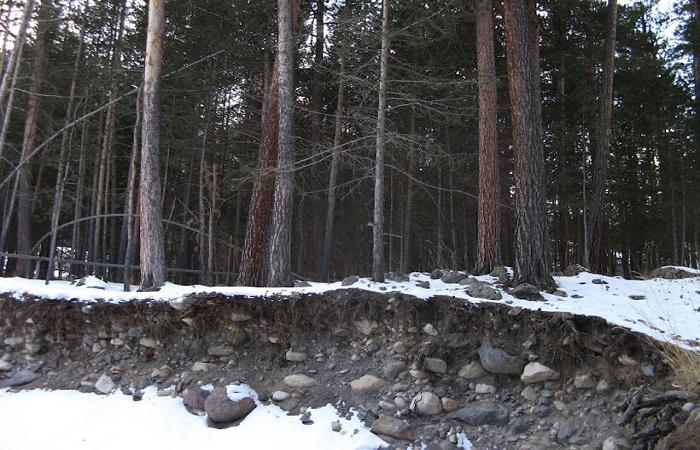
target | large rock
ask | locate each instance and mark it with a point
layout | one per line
(104, 384)
(396, 277)
(20, 378)
(200, 366)
(674, 273)
(5, 365)
(221, 409)
(453, 277)
(349, 281)
(498, 361)
(299, 380)
(295, 356)
(393, 368)
(481, 415)
(435, 365)
(426, 404)
(526, 291)
(194, 398)
(367, 383)
(484, 291)
(393, 427)
(472, 370)
(535, 372)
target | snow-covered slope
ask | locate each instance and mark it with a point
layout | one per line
(668, 311)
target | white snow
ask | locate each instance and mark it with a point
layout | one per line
(669, 311)
(70, 420)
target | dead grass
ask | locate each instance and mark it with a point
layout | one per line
(684, 365)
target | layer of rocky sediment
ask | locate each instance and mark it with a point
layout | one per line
(417, 371)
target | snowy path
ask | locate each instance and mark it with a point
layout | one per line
(670, 310)
(70, 420)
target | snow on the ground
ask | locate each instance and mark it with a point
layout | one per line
(70, 420)
(670, 310)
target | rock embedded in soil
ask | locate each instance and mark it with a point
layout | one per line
(105, 385)
(20, 378)
(148, 342)
(393, 368)
(430, 330)
(472, 370)
(435, 365)
(280, 396)
(449, 404)
(220, 351)
(5, 365)
(481, 415)
(616, 443)
(222, 410)
(299, 380)
(393, 427)
(367, 383)
(200, 366)
(426, 404)
(584, 380)
(365, 326)
(295, 356)
(536, 372)
(498, 361)
(482, 388)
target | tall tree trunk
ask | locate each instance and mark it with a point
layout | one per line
(408, 206)
(488, 217)
(378, 223)
(279, 259)
(62, 171)
(128, 231)
(531, 242)
(24, 206)
(317, 113)
(9, 79)
(76, 239)
(600, 160)
(333, 175)
(151, 229)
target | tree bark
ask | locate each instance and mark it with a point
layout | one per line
(24, 206)
(488, 216)
(378, 222)
(531, 242)
(151, 229)
(317, 113)
(130, 194)
(408, 205)
(600, 161)
(279, 258)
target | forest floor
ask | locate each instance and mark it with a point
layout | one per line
(438, 361)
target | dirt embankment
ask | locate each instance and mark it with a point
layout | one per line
(382, 354)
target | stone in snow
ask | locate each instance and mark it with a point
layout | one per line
(104, 384)
(498, 361)
(221, 409)
(673, 273)
(453, 277)
(348, 281)
(484, 291)
(426, 404)
(299, 380)
(535, 372)
(526, 291)
(20, 378)
(367, 383)
(194, 398)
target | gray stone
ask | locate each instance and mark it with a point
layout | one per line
(336, 427)
(602, 386)
(526, 291)
(436, 274)
(105, 385)
(301, 284)
(673, 273)
(584, 380)
(560, 293)
(423, 284)
(430, 330)
(367, 383)
(535, 372)
(200, 366)
(148, 342)
(295, 356)
(306, 418)
(529, 393)
(637, 297)
(280, 396)
(483, 388)
(400, 347)
(496, 360)
(299, 380)
(393, 427)
(484, 291)
(481, 415)
(393, 368)
(616, 443)
(240, 316)
(453, 277)
(221, 409)
(5, 365)
(426, 404)
(598, 281)
(519, 425)
(472, 370)
(499, 272)
(435, 365)
(20, 378)
(194, 398)
(365, 326)
(449, 404)
(565, 433)
(181, 303)
(348, 281)
(574, 269)
(220, 350)
(473, 281)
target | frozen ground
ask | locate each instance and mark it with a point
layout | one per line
(70, 420)
(669, 311)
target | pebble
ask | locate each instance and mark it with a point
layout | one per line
(280, 396)
(430, 330)
(435, 365)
